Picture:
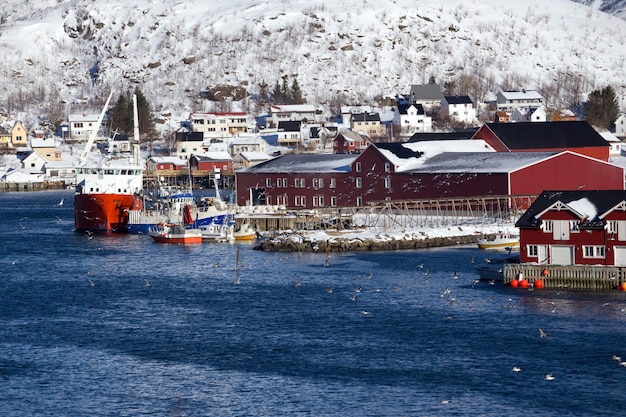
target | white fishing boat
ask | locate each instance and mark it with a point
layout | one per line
(499, 241)
(492, 268)
(217, 232)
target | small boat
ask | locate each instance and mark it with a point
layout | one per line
(500, 241)
(245, 232)
(217, 232)
(175, 233)
(492, 268)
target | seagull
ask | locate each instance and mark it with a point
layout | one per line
(357, 289)
(365, 313)
(476, 281)
(516, 369)
(542, 333)
(298, 283)
(60, 203)
(147, 283)
(622, 364)
(91, 282)
(326, 263)
(353, 297)
(329, 290)
(548, 377)
(617, 358)
(454, 275)
(215, 265)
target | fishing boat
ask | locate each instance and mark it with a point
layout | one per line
(105, 191)
(245, 232)
(176, 233)
(217, 232)
(492, 268)
(167, 205)
(500, 241)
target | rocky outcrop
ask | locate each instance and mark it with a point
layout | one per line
(345, 245)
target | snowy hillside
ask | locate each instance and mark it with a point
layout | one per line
(57, 53)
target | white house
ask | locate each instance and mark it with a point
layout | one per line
(60, 170)
(220, 125)
(459, 108)
(620, 125)
(81, 125)
(292, 113)
(34, 162)
(528, 114)
(510, 100)
(409, 119)
(22, 175)
(614, 142)
(240, 144)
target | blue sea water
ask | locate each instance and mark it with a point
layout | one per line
(272, 340)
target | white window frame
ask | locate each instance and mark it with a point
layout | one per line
(358, 182)
(532, 251)
(594, 252)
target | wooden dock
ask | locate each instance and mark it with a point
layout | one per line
(577, 277)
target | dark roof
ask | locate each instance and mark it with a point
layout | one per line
(603, 200)
(365, 117)
(464, 134)
(399, 150)
(538, 135)
(289, 126)
(404, 106)
(458, 100)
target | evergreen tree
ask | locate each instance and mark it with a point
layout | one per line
(602, 108)
(122, 119)
(296, 93)
(278, 94)
(286, 99)
(263, 93)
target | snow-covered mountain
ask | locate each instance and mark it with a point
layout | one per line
(56, 53)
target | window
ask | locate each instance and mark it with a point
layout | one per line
(315, 201)
(302, 183)
(611, 226)
(315, 182)
(321, 201)
(268, 182)
(387, 167)
(593, 251)
(296, 182)
(574, 226)
(359, 182)
(387, 182)
(333, 201)
(357, 166)
(359, 201)
(333, 183)
(547, 226)
(533, 251)
(285, 182)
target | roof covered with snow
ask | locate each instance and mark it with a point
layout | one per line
(292, 163)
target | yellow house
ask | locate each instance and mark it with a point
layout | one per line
(5, 136)
(46, 148)
(18, 135)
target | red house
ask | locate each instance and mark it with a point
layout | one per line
(575, 228)
(211, 162)
(350, 142)
(575, 136)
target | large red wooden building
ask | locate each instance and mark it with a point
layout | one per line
(575, 228)
(405, 171)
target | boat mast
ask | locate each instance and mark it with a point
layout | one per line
(94, 132)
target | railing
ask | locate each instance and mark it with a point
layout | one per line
(579, 277)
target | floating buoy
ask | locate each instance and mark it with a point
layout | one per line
(538, 283)
(514, 283)
(545, 272)
(622, 286)
(523, 283)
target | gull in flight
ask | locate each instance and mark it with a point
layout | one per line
(516, 369)
(542, 333)
(548, 377)
(298, 283)
(60, 203)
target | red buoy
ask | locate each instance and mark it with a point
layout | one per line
(545, 272)
(622, 286)
(523, 284)
(514, 283)
(538, 283)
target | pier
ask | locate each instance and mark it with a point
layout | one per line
(577, 277)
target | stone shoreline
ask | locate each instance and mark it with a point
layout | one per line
(355, 244)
